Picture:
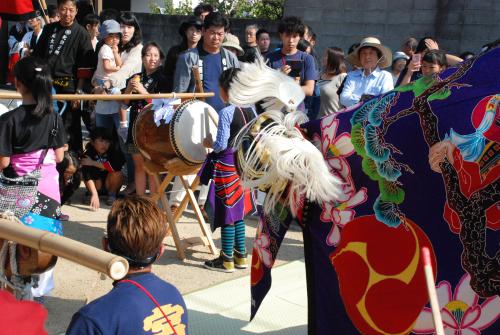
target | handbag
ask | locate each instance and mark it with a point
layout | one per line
(18, 194)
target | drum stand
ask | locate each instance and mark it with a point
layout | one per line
(180, 244)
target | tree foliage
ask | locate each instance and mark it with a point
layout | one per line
(262, 9)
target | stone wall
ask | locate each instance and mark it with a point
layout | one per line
(163, 29)
(458, 25)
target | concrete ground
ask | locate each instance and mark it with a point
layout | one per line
(76, 285)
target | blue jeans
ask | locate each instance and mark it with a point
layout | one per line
(109, 121)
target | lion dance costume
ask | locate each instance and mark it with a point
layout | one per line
(360, 185)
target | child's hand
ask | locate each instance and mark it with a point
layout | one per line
(94, 202)
(208, 142)
(114, 48)
(138, 87)
(87, 161)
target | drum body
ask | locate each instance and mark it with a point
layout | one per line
(182, 137)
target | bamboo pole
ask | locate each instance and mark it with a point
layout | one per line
(114, 97)
(43, 5)
(115, 267)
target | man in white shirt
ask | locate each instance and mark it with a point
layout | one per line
(370, 80)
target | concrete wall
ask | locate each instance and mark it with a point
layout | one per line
(458, 25)
(163, 29)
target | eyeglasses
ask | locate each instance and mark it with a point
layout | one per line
(214, 33)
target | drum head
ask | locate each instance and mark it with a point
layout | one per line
(190, 125)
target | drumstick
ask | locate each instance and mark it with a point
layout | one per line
(197, 80)
(114, 266)
(107, 97)
(431, 289)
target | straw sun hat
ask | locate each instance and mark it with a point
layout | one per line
(232, 41)
(373, 42)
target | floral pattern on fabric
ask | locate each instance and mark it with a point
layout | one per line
(461, 311)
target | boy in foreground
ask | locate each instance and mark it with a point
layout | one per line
(141, 303)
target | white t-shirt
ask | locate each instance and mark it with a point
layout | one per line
(104, 53)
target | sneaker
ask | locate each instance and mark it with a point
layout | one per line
(240, 260)
(222, 263)
(64, 217)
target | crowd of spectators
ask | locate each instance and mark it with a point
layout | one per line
(107, 54)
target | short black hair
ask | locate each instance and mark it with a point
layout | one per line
(260, 32)
(154, 45)
(466, 55)
(421, 47)
(227, 77)
(101, 132)
(91, 19)
(303, 45)
(292, 25)
(202, 7)
(62, 2)
(109, 14)
(435, 57)
(215, 19)
(52, 11)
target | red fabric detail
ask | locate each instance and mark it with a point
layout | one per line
(225, 167)
(471, 180)
(231, 197)
(108, 167)
(146, 292)
(13, 59)
(84, 73)
(249, 202)
(17, 7)
(21, 317)
(392, 304)
(226, 180)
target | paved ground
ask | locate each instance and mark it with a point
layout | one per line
(75, 285)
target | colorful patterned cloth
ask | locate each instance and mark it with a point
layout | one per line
(227, 200)
(362, 252)
(46, 210)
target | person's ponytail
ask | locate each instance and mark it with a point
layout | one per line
(35, 75)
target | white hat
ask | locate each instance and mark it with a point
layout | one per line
(232, 41)
(372, 42)
(399, 55)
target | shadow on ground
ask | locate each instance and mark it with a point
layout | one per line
(60, 309)
(204, 323)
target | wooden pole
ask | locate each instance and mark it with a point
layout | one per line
(99, 6)
(43, 5)
(197, 80)
(114, 266)
(111, 97)
(431, 289)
